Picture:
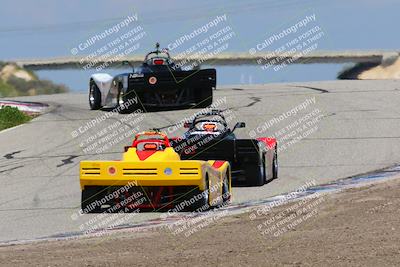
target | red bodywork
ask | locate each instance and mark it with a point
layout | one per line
(148, 151)
(268, 141)
(155, 196)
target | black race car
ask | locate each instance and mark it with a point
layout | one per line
(254, 161)
(158, 82)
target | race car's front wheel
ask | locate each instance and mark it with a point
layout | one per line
(94, 97)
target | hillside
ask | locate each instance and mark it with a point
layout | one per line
(16, 81)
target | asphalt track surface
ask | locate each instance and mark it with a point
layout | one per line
(359, 132)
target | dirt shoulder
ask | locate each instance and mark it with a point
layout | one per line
(358, 227)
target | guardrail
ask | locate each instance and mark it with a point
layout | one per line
(75, 62)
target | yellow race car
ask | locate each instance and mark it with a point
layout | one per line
(152, 176)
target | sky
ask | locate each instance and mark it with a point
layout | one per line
(49, 28)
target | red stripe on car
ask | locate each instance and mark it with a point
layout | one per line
(218, 163)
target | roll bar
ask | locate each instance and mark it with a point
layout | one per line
(157, 52)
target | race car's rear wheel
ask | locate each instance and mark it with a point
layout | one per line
(126, 106)
(199, 200)
(226, 191)
(255, 173)
(275, 165)
(89, 196)
(206, 98)
(94, 96)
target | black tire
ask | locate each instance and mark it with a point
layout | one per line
(206, 98)
(226, 192)
(255, 174)
(130, 108)
(89, 195)
(275, 166)
(94, 96)
(202, 202)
